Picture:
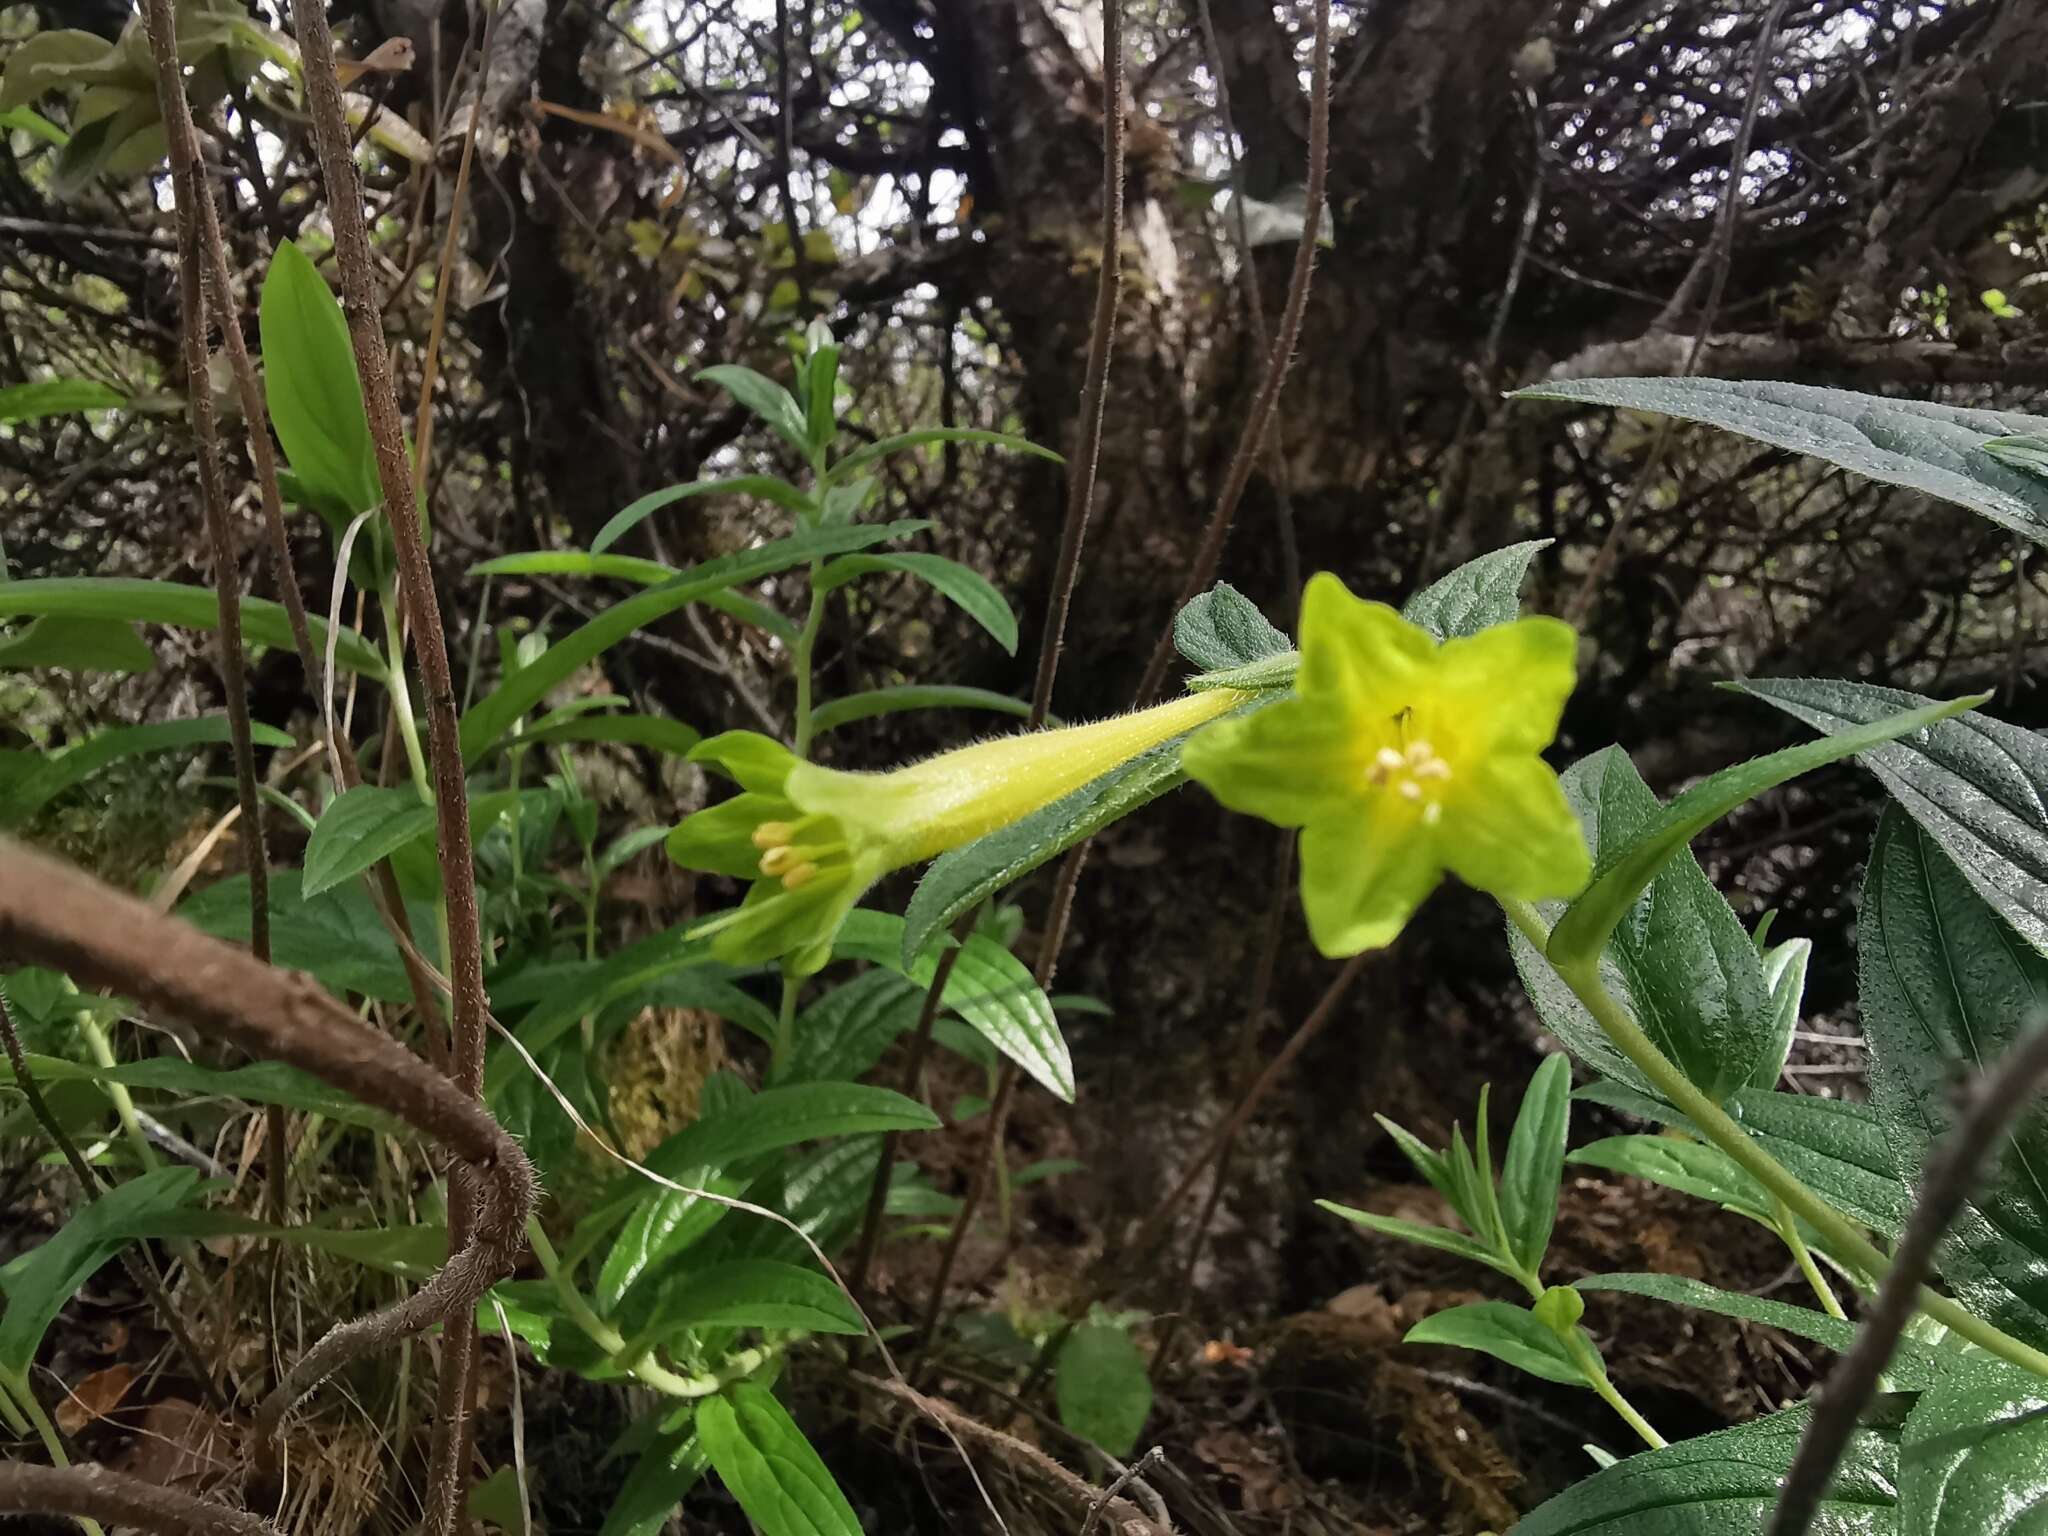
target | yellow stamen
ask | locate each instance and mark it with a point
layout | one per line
(777, 861)
(1435, 768)
(773, 834)
(799, 877)
(1432, 813)
(1410, 790)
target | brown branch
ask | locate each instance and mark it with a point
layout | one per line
(54, 915)
(95, 1493)
(1994, 1101)
(1737, 355)
(1210, 553)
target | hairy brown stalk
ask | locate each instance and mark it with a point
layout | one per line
(140, 1267)
(1242, 459)
(54, 915)
(1993, 1102)
(422, 609)
(96, 1493)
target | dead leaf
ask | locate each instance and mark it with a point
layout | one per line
(179, 1443)
(94, 1398)
(393, 56)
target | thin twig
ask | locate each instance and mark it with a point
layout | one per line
(1250, 440)
(1124, 1479)
(1992, 1103)
(96, 1493)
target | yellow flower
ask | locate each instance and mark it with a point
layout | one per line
(814, 839)
(1400, 757)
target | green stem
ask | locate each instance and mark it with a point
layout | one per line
(1594, 1369)
(102, 1050)
(800, 662)
(17, 1387)
(1717, 1126)
(1788, 1229)
(785, 1029)
(11, 1415)
(401, 699)
(607, 1338)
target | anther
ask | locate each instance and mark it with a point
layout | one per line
(773, 834)
(1432, 813)
(1435, 768)
(777, 861)
(1420, 751)
(799, 877)
(1410, 790)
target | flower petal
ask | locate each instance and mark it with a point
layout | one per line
(1361, 657)
(1292, 763)
(1363, 876)
(773, 922)
(1503, 689)
(748, 758)
(720, 840)
(1509, 831)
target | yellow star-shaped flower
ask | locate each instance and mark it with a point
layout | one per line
(1401, 757)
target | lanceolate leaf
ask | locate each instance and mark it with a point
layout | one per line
(74, 764)
(767, 487)
(1506, 1332)
(1534, 1164)
(846, 1031)
(56, 397)
(762, 1457)
(668, 1468)
(990, 988)
(262, 1082)
(495, 714)
(861, 458)
(766, 399)
(1785, 974)
(1973, 1458)
(335, 935)
(1919, 444)
(1680, 958)
(758, 1293)
(1695, 1168)
(310, 385)
(1624, 870)
(1726, 1484)
(1946, 987)
(888, 701)
(1477, 595)
(1443, 1239)
(78, 645)
(124, 599)
(969, 589)
(1978, 785)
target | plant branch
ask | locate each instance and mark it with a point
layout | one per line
(93, 1492)
(1993, 1102)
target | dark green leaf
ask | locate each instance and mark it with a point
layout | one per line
(886, 701)
(967, 588)
(263, 1082)
(1785, 974)
(758, 1293)
(1504, 1331)
(1623, 871)
(1477, 595)
(39, 1282)
(763, 1458)
(1919, 444)
(310, 385)
(1915, 1366)
(666, 1470)
(860, 459)
(1535, 1162)
(1979, 785)
(56, 397)
(1102, 1388)
(1223, 628)
(845, 1032)
(1726, 1484)
(1973, 1458)
(766, 399)
(653, 731)
(73, 765)
(1946, 987)
(766, 487)
(990, 988)
(491, 717)
(1695, 1168)
(78, 645)
(335, 935)
(124, 599)
(1681, 959)
(824, 1190)
(362, 827)
(1443, 1239)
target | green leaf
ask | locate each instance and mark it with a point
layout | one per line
(763, 1458)
(1694, 1168)
(1534, 1165)
(39, 1282)
(1477, 595)
(823, 1190)
(335, 935)
(1443, 1239)
(990, 988)
(1915, 1366)
(1510, 1333)
(1432, 1165)
(412, 1252)
(1924, 446)
(124, 599)
(1102, 1388)
(73, 765)
(365, 825)
(1979, 785)
(758, 1293)
(962, 879)
(78, 645)
(264, 1082)
(56, 397)
(1682, 961)
(766, 399)
(1223, 629)
(310, 385)
(1946, 988)
(968, 589)
(767, 487)
(860, 459)
(904, 696)
(653, 731)
(496, 1500)
(494, 715)
(666, 1470)
(1726, 1484)
(642, 573)
(2028, 451)
(1622, 873)
(1785, 974)
(845, 1032)
(1973, 1458)
(30, 121)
